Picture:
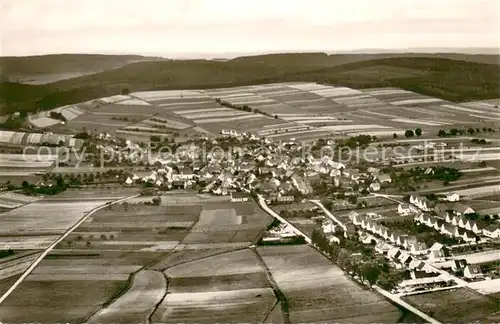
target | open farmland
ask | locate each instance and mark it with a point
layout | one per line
(300, 110)
(227, 287)
(318, 291)
(460, 305)
(21, 138)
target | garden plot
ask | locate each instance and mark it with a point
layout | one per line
(460, 305)
(57, 302)
(147, 290)
(323, 293)
(227, 287)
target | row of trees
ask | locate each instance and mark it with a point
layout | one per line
(470, 131)
(366, 268)
(411, 133)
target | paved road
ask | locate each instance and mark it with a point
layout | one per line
(262, 203)
(401, 302)
(59, 240)
(395, 298)
(328, 213)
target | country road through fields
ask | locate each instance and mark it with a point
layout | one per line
(54, 244)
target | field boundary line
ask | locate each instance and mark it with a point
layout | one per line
(30, 269)
(280, 296)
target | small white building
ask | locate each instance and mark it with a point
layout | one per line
(375, 186)
(492, 231)
(405, 209)
(129, 181)
(453, 196)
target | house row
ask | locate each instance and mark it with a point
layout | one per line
(422, 202)
(407, 242)
(445, 228)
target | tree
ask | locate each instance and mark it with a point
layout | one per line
(471, 131)
(125, 91)
(453, 132)
(409, 133)
(275, 116)
(418, 132)
(442, 133)
(371, 272)
(25, 184)
(394, 135)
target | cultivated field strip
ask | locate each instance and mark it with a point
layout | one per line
(323, 293)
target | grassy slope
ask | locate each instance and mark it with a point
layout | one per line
(444, 78)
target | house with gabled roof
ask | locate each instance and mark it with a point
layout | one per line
(472, 226)
(458, 264)
(408, 241)
(461, 209)
(491, 231)
(394, 253)
(448, 229)
(438, 223)
(453, 196)
(382, 247)
(358, 220)
(418, 248)
(405, 209)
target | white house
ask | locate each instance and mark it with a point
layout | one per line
(328, 227)
(461, 209)
(239, 197)
(472, 271)
(453, 196)
(375, 186)
(129, 181)
(472, 226)
(418, 248)
(492, 231)
(404, 209)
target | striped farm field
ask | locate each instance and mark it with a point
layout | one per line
(323, 293)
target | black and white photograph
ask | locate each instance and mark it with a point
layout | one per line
(277, 161)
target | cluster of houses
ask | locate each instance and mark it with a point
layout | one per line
(390, 238)
(277, 170)
(451, 219)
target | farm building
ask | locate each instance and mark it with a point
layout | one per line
(492, 231)
(239, 197)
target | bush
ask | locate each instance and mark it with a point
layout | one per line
(409, 133)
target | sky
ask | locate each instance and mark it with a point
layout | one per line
(195, 27)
